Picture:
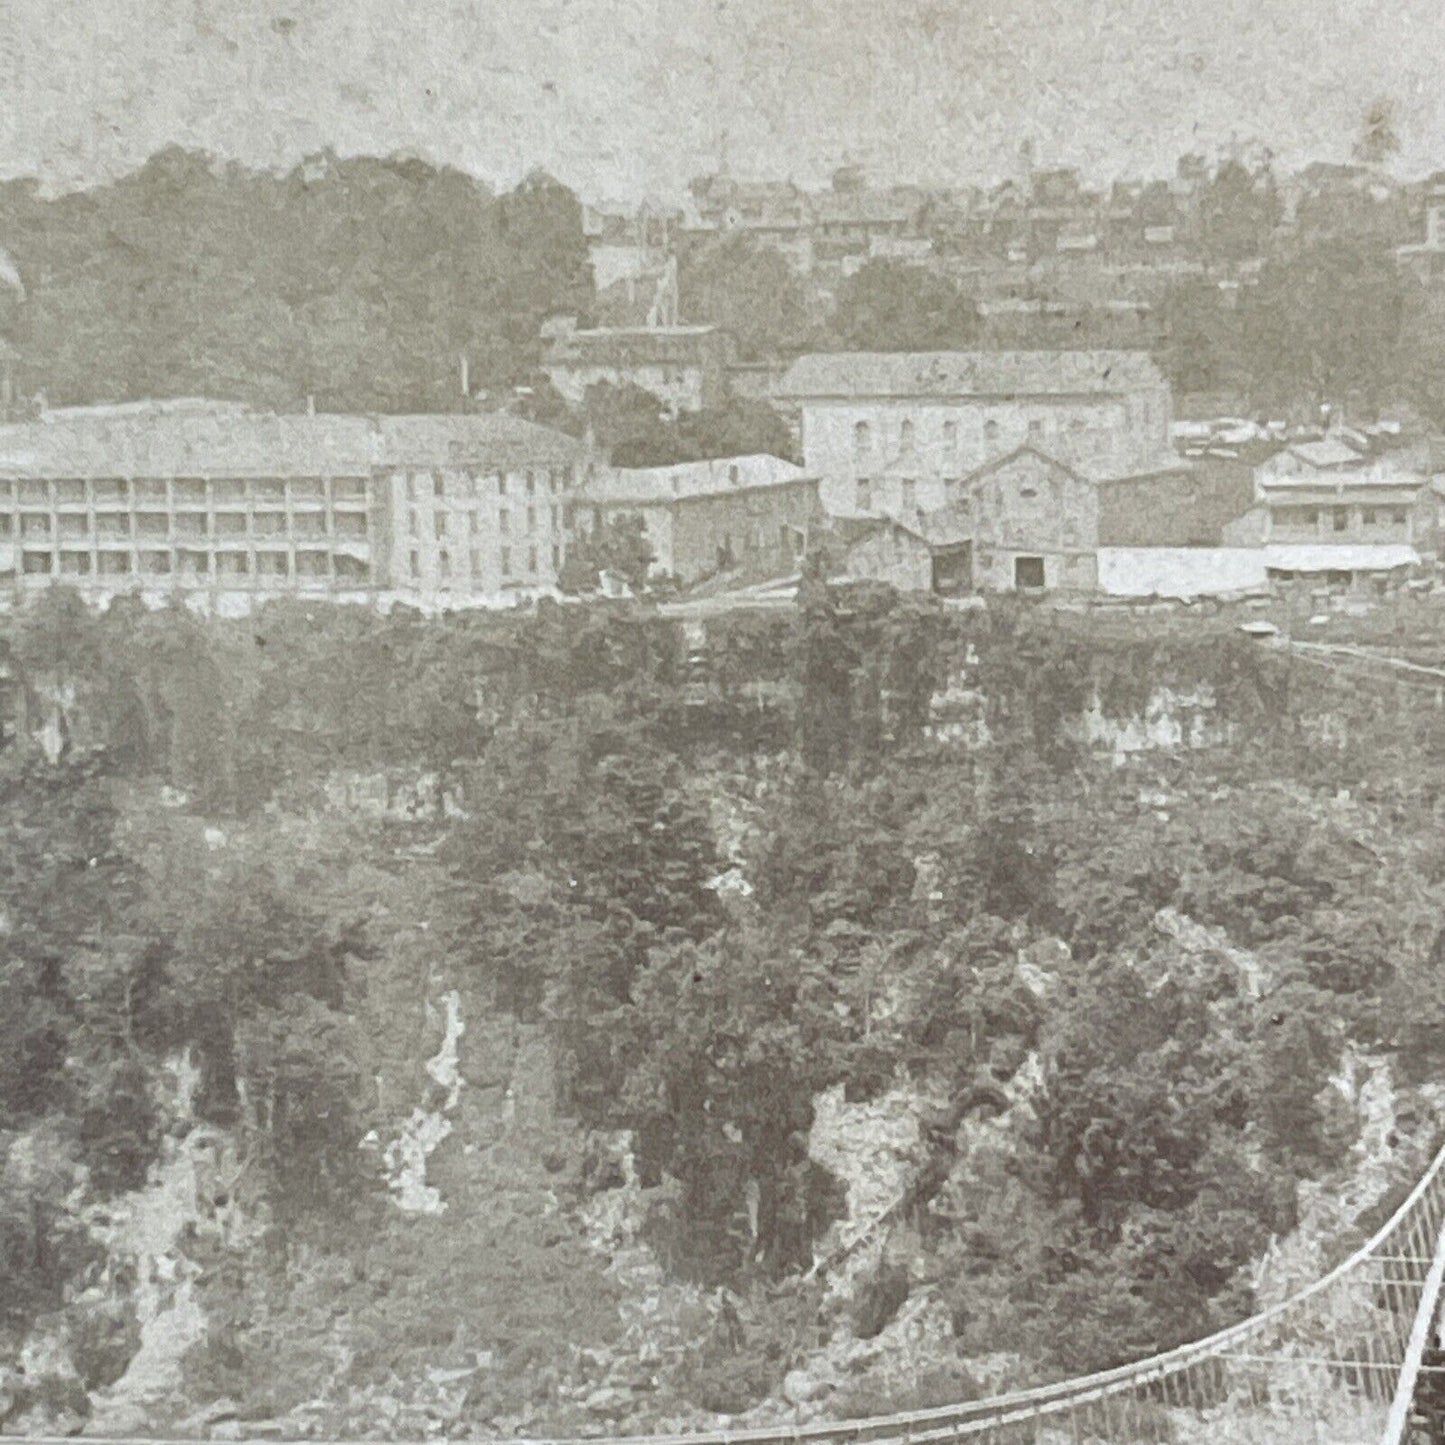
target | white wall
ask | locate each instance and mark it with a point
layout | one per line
(1179, 571)
(1104, 435)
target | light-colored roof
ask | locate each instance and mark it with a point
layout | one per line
(1327, 453)
(1347, 557)
(1335, 483)
(969, 373)
(655, 485)
(221, 442)
(493, 437)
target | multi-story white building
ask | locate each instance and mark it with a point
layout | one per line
(208, 497)
(477, 504)
(895, 434)
(1326, 507)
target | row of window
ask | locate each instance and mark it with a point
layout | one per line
(350, 526)
(238, 491)
(1338, 518)
(474, 562)
(442, 521)
(1038, 428)
(469, 484)
(907, 493)
(195, 564)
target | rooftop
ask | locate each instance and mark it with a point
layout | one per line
(654, 485)
(438, 439)
(626, 343)
(969, 373)
(831, 208)
(222, 441)
(1330, 452)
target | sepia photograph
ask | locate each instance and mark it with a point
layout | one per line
(722, 722)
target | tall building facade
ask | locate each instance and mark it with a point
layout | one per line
(200, 496)
(477, 505)
(896, 434)
(748, 515)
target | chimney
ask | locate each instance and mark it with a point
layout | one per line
(466, 377)
(310, 405)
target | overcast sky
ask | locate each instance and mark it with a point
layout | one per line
(628, 98)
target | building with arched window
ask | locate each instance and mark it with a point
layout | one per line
(932, 418)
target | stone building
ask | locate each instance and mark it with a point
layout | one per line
(1035, 525)
(750, 515)
(685, 367)
(476, 505)
(1023, 522)
(891, 432)
(933, 553)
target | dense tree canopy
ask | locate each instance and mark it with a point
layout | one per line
(360, 282)
(752, 292)
(894, 306)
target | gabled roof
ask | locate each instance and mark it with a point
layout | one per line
(998, 463)
(938, 530)
(718, 476)
(946, 527)
(969, 373)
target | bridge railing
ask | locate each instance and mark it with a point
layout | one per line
(1334, 1364)
(1331, 1363)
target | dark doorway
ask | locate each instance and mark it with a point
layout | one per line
(953, 569)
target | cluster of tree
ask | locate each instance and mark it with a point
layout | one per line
(360, 282)
(1329, 321)
(772, 310)
(891, 901)
(631, 425)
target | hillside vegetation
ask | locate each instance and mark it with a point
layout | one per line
(616, 1007)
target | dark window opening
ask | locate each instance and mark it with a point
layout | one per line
(1028, 571)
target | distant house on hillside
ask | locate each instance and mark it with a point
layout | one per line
(685, 367)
